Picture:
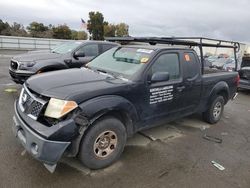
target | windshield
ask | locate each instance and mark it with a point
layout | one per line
(122, 61)
(65, 47)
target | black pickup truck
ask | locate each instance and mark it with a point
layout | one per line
(90, 112)
(73, 54)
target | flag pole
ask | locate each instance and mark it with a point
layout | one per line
(84, 27)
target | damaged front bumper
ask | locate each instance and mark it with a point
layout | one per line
(47, 151)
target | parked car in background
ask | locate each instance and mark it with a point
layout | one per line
(244, 73)
(212, 58)
(207, 63)
(229, 65)
(223, 56)
(72, 54)
(220, 62)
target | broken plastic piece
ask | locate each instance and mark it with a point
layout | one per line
(217, 165)
(50, 168)
(23, 153)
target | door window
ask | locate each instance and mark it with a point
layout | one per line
(190, 66)
(89, 50)
(167, 63)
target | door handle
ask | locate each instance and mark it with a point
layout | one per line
(193, 78)
(180, 88)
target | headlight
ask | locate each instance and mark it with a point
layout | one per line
(30, 64)
(25, 65)
(58, 108)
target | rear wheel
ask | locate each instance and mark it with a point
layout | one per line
(215, 110)
(103, 143)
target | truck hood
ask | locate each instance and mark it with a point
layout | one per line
(28, 57)
(74, 84)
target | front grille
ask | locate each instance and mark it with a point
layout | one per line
(36, 108)
(13, 65)
(30, 104)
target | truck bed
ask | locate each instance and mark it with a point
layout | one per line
(210, 80)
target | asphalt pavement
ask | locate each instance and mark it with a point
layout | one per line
(172, 155)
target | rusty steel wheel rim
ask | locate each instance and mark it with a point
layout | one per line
(105, 144)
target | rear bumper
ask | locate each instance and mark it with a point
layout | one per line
(244, 84)
(46, 151)
(20, 76)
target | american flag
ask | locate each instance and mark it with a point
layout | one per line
(83, 24)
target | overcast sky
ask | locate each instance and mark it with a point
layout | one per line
(226, 19)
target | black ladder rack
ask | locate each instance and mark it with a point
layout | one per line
(183, 41)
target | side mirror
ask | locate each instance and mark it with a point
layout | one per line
(160, 77)
(79, 54)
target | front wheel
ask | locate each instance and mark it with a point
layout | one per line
(103, 143)
(215, 110)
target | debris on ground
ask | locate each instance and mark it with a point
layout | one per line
(23, 153)
(224, 134)
(164, 173)
(148, 136)
(203, 128)
(212, 138)
(217, 165)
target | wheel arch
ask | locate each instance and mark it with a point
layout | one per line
(111, 105)
(52, 68)
(221, 88)
(45, 66)
(96, 108)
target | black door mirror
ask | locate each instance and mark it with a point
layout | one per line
(160, 77)
(79, 54)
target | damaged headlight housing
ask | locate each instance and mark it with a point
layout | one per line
(58, 108)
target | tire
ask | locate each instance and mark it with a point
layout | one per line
(103, 143)
(215, 110)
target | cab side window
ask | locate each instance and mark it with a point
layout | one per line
(191, 66)
(89, 50)
(167, 63)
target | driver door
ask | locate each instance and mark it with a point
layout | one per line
(165, 97)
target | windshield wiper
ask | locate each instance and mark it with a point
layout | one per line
(105, 72)
(101, 70)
